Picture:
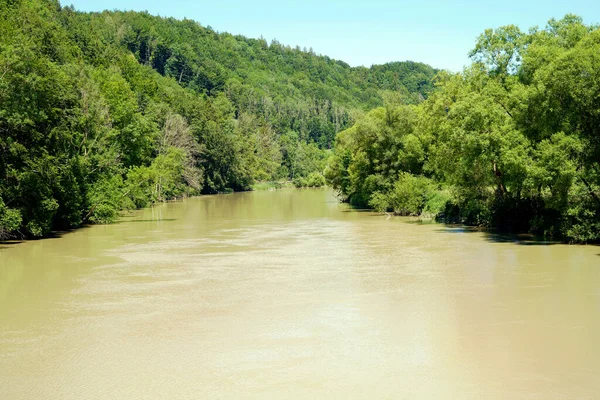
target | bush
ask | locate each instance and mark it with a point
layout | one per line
(268, 185)
(299, 182)
(315, 179)
(407, 197)
(436, 203)
(582, 222)
(106, 199)
(10, 220)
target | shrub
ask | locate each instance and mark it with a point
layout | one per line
(299, 182)
(315, 179)
(436, 203)
(407, 197)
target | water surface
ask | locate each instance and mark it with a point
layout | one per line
(289, 294)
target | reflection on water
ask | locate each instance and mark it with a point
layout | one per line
(289, 294)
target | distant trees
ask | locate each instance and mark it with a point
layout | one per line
(512, 142)
(289, 88)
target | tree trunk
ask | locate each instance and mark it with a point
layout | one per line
(498, 174)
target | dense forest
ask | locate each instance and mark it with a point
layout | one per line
(512, 142)
(101, 112)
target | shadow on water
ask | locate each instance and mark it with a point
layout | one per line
(10, 243)
(524, 239)
(60, 234)
(7, 244)
(52, 235)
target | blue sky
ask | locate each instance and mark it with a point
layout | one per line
(436, 32)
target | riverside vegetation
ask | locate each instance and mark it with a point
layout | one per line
(512, 142)
(101, 112)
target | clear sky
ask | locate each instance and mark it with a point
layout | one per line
(365, 32)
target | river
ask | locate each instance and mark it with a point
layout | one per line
(289, 294)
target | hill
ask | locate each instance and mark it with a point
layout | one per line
(101, 112)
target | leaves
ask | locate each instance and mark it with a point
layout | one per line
(512, 142)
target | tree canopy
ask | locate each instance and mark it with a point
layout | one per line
(101, 112)
(512, 142)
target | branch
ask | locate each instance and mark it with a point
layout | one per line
(589, 187)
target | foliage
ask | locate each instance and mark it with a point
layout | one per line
(313, 180)
(10, 220)
(272, 185)
(106, 198)
(101, 112)
(407, 197)
(512, 142)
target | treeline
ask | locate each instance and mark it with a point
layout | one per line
(290, 88)
(108, 111)
(512, 142)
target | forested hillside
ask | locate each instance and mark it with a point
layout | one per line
(101, 112)
(512, 142)
(115, 110)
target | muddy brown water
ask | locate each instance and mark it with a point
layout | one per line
(289, 294)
